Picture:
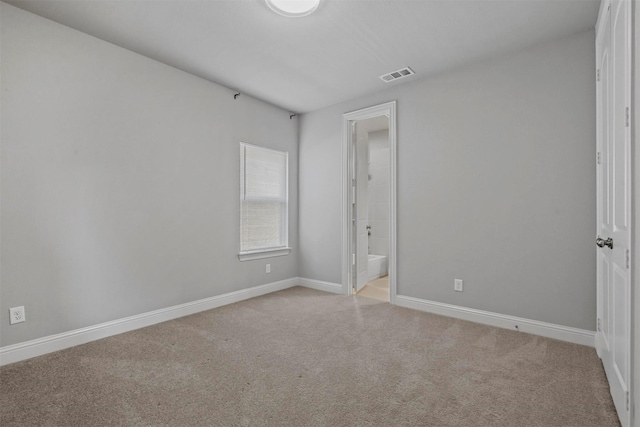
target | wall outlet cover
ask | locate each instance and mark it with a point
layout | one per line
(16, 315)
(457, 285)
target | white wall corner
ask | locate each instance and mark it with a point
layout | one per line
(534, 327)
(38, 347)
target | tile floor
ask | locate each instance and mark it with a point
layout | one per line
(376, 289)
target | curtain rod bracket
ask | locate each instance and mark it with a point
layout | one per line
(292, 116)
(236, 95)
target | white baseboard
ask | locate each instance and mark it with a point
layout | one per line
(599, 343)
(319, 285)
(38, 347)
(549, 330)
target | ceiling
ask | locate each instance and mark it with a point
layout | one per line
(336, 54)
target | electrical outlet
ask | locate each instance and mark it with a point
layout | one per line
(457, 285)
(16, 315)
(268, 269)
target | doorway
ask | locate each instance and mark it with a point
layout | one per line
(369, 202)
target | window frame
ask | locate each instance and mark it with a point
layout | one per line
(266, 252)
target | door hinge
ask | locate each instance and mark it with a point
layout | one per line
(627, 401)
(598, 157)
(628, 257)
(353, 191)
(353, 259)
(598, 326)
(627, 117)
(598, 75)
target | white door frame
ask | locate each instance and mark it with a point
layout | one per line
(388, 109)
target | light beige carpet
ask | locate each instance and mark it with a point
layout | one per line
(301, 357)
(376, 289)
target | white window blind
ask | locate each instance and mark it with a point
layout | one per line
(263, 200)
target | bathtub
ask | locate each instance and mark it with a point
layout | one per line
(377, 266)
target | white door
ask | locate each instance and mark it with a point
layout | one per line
(613, 204)
(353, 206)
(362, 209)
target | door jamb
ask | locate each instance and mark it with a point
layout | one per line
(388, 109)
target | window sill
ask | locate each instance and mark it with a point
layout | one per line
(267, 253)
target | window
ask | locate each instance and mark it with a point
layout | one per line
(263, 202)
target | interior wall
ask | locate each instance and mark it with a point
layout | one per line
(120, 181)
(496, 185)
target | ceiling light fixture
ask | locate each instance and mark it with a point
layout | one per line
(293, 8)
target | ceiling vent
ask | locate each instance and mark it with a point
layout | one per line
(395, 75)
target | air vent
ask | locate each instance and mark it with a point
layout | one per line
(395, 75)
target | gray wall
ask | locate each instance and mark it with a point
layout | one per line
(496, 185)
(120, 181)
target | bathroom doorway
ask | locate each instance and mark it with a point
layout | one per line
(369, 221)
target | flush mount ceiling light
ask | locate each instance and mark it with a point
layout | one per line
(293, 8)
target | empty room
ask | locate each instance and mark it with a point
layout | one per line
(319, 213)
